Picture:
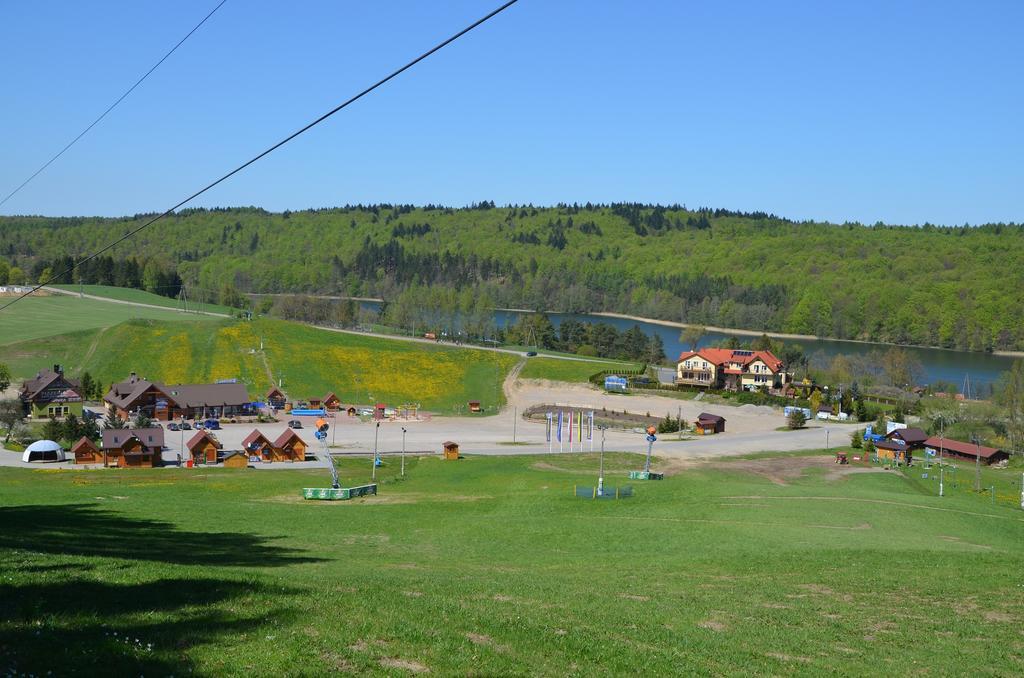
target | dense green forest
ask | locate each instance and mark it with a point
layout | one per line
(956, 287)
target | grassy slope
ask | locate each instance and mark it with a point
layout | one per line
(311, 361)
(36, 317)
(489, 565)
(568, 370)
(143, 297)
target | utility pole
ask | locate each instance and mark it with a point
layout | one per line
(941, 445)
(373, 473)
(403, 451)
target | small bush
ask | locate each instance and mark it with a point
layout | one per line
(796, 419)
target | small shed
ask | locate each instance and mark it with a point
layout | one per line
(203, 447)
(289, 447)
(451, 450)
(86, 452)
(474, 406)
(351, 411)
(236, 459)
(331, 403)
(708, 424)
(378, 411)
(276, 398)
(258, 445)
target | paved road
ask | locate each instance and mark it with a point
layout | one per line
(57, 290)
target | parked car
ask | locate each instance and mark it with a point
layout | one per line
(185, 426)
(173, 427)
(531, 354)
(295, 423)
(212, 425)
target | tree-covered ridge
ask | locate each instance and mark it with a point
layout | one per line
(957, 287)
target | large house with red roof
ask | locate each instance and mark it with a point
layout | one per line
(731, 369)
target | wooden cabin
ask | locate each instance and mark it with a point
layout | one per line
(474, 406)
(236, 459)
(451, 450)
(258, 445)
(276, 398)
(203, 447)
(289, 447)
(966, 451)
(133, 447)
(378, 411)
(351, 411)
(331, 403)
(86, 452)
(708, 424)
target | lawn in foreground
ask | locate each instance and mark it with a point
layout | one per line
(489, 565)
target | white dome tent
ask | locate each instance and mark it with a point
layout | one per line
(43, 450)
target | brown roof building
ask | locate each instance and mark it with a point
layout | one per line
(160, 401)
(133, 447)
(966, 451)
(51, 394)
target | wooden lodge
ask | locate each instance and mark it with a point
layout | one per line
(900, 444)
(258, 445)
(330, 402)
(87, 452)
(957, 449)
(203, 447)
(167, 403)
(708, 424)
(134, 447)
(51, 395)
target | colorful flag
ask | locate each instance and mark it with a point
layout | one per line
(570, 429)
(558, 431)
(590, 426)
(579, 430)
(548, 432)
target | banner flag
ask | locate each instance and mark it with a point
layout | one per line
(570, 430)
(547, 437)
(558, 431)
(579, 430)
(590, 426)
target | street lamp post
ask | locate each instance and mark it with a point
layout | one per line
(403, 451)
(977, 462)
(182, 441)
(373, 474)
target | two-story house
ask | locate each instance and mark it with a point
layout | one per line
(52, 395)
(731, 369)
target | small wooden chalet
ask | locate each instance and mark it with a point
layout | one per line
(966, 451)
(133, 447)
(51, 395)
(330, 402)
(276, 398)
(900, 444)
(708, 424)
(258, 445)
(203, 447)
(86, 452)
(290, 447)
(451, 450)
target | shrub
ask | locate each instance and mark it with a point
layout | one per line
(796, 419)
(857, 439)
(586, 350)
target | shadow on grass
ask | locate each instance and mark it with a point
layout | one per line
(68, 617)
(85, 530)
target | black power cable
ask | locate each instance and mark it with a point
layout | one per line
(112, 106)
(270, 150)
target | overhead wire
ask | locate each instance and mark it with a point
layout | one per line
(112, 106)
(268, 151)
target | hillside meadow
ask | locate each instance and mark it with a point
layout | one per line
(309, 362)
(491, 566)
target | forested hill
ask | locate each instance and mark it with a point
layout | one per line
(952, 287)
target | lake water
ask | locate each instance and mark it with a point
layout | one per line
(938, 364)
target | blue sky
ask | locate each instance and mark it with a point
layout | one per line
(903, 112)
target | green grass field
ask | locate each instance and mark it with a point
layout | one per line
(554, 369)
(36, 317)
(143, 297)
(490, 566)
(311, 361)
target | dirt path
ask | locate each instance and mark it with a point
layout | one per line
(92, 347)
